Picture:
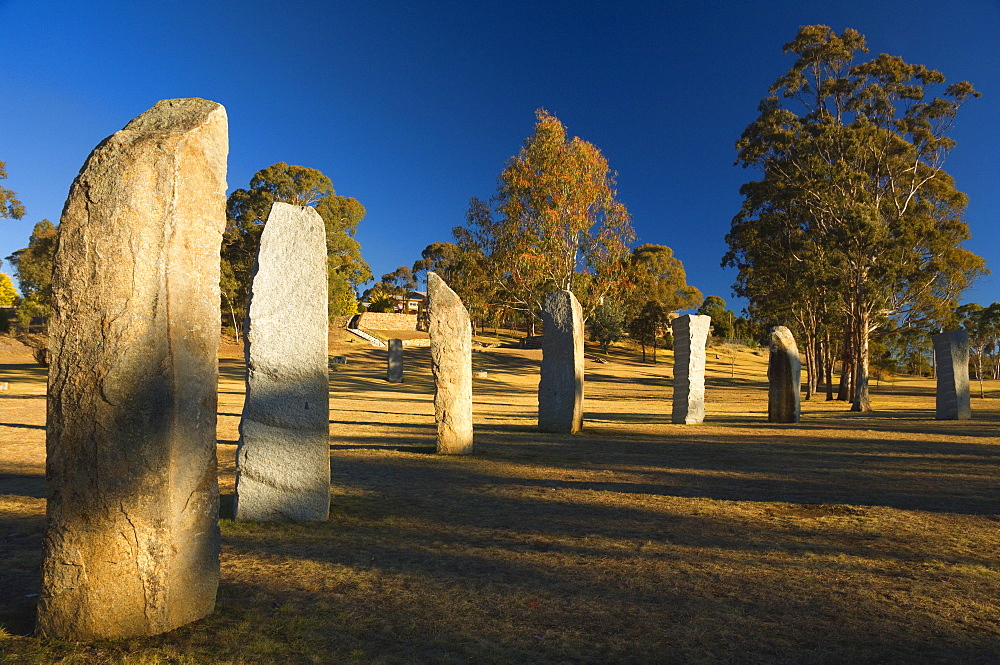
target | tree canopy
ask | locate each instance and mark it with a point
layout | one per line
(247, 211)
(656, 274)
(399, 282)
(33, 267)
(33, 264)
(983, 327)
(462, 266)
(554, 223)
(854, 218)
(723, 321)
(10, 206)
(8, 294)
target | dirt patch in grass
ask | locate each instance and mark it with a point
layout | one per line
(845, 538)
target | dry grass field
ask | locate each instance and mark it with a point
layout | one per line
(847, 538)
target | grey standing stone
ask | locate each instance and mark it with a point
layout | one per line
(283, 459)
(560, 391)
(132, 541)
(394, 365)
(784, 377)
(951, 356)
(690, 334)
(451, 364)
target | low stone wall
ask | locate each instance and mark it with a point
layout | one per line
(340, 320)
(380, 321)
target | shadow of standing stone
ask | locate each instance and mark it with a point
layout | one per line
(560, 390)
(132, 541)
(951, 356)
(450, 331)
(784, 378)
(283, 458)
(690, 335)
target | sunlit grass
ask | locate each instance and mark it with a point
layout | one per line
(846, 538)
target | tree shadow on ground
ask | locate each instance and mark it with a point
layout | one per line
(26, 484)
(417, 532)
(766, 467)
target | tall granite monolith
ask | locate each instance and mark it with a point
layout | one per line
(283, 458)
(560, 390)
(132, 539)
(784, 378)
(394, 361)
(951, 359)
(451, 365)
(690, 334)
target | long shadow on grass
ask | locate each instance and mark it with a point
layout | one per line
(431, 539)
(22, 426)
(20, 558)
(906, 474)
(23, 484)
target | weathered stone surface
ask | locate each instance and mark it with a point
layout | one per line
(394, 363)
(450, 332)
(132, 541)
(784, 377)
(951, 355)
(690, 334)
(283, 458)
(560, 391)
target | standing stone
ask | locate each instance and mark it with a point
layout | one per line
(560, 391)
(690, 334)
(451, 364)
(784, 377)
(951, 357)
(132, 541)
(283, 458)
(394, 366)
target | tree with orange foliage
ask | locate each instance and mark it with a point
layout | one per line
(554, 223)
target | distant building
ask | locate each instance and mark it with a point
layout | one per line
(412, 302)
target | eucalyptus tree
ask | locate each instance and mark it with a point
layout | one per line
(649, 326)
(983, 327)
(555, 222)
(399, 282)
(784, 277)
(462, 266)
(247, 211)
(851, 156)
(654, 273)
(33, 268)
(442, 258)
(10, 206)
(8, 295)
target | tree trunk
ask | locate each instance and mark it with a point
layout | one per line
(810, 354)
(862, 399)
(232, 313)
(846, 389)
(819, 363)
(828, 351)
(979, 373)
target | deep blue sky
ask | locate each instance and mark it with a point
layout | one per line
(413, 107)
